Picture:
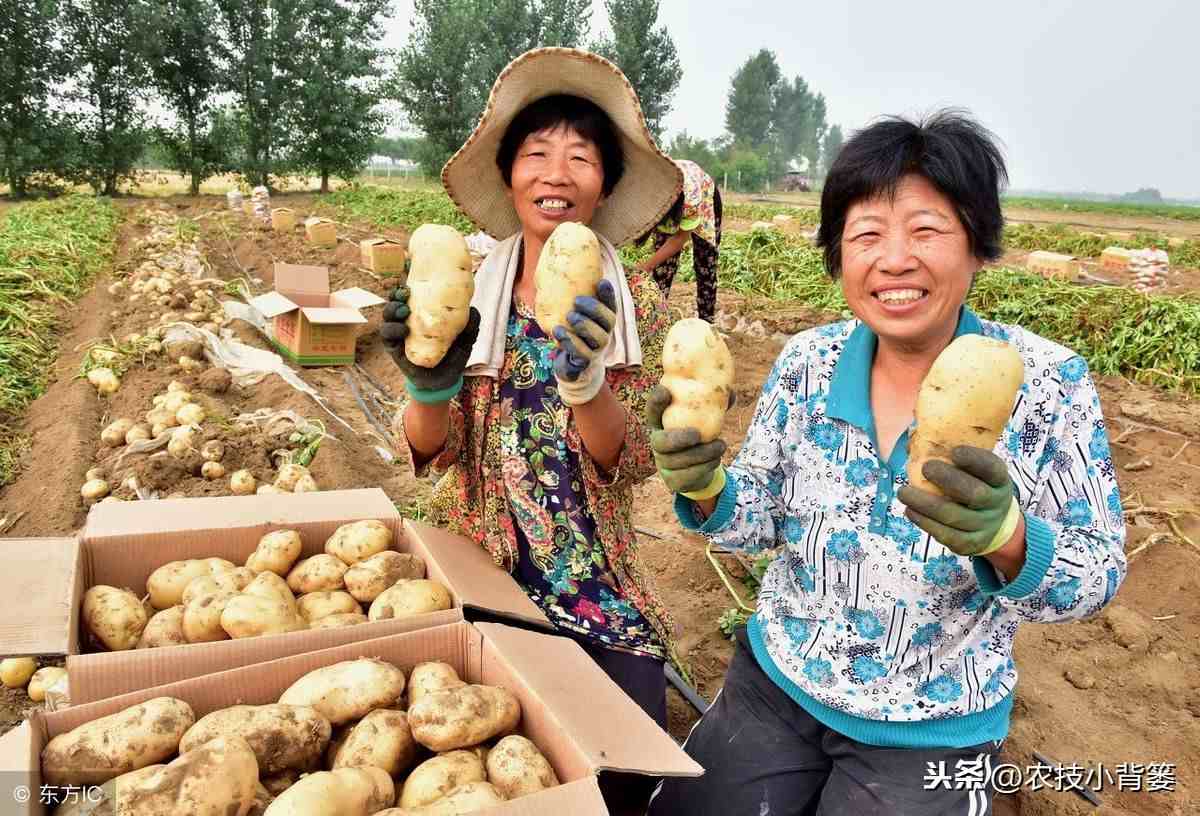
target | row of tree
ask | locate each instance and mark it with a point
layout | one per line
(259, 87)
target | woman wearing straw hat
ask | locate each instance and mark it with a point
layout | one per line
(539, 444)
(696, 214)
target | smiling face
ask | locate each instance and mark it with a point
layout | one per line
(557, 176)
(907, 265)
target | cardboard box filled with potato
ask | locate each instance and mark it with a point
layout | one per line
(163, 588)
(450, 720)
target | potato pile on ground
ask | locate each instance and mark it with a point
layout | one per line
(337, 741)
(203, 600)
(23, 672)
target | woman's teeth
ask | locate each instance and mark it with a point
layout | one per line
(553, 204)
(901, 296)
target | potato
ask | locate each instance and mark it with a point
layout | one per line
(381, 739)
(367, 579)
(270, 585)
(234, 580)
(427, 677)
(317, 605)
(517, 768)
(262, 800)
(468, 798)
(94, 489)
(114, 616)
(97, 751)
(15, 672)
(105, 380)
(94, 473)
(288, 475)
(461, 717)
(174, 386)
(358, 541)
(213, 450)
(276, 552)
(408, 598)
(202, 617)
(166, 584)
(114, 434)
(339, 620)
(165, 628)
(278, 783)
(103, 800)
(434, 778)
(347, 690)
(265, 490)
(441, 283)
(138, 433)
(568, 267)
(242, 483)
(281, 736)
(183, 442)
(306, 484)
(43, 679)
(698, 371)
(965, 399)
(320, 573)
(174, 400)
(345, 792)
(212, 471)
(254, 615)
(218, 778)
(191, 414)
(161, 418)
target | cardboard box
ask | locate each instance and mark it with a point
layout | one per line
(1053, 265)
(312, 326)
(123, 542)
(1116, 258)
(321, 231)
(579, 718)
(382, 255)
(283, 219)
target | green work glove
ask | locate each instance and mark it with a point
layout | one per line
(441, 382)
(978, 514)
(687, 465)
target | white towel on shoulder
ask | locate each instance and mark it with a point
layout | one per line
(493, 299)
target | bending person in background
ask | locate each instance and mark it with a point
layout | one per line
(696, 214)
(881, 649)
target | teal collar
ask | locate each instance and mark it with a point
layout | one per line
(850, 389)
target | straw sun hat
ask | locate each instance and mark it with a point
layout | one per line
(648, 187)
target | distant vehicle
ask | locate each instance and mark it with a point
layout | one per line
(794, 182)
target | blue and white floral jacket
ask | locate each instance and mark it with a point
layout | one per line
(872, 626)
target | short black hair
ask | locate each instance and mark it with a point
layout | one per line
(580, 115)
(956, 154)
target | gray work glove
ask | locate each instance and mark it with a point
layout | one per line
(686, 464)
(441, 382)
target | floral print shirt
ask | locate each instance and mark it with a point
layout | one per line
(561, 563)
(869, 623)
(699, 213)
(472, 497)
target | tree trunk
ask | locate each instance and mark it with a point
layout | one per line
(192, 154)
(324, 181)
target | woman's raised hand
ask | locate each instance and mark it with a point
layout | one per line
(431, 385)
(686, 464)
(579, 364)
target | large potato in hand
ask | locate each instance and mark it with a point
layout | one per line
(966, 399)
(116, 617)
(434, 778)
(320, 573)
(462, 717)
(97, 751)
(281, 736)
(409, 598)
(698, 371)
(347, 690)
(569, 266)
(367, 579)
(441, 282)
(218, 778)
(382, 739)
(358, 541)
(517, 768)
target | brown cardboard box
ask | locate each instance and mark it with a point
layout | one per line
(1053, 265)
(124, 542)
(311, 325)
(571, 710)
(1116, 258)
(382, 255)
(320, 231)
(283, 219)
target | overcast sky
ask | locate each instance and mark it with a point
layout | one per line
(1097, 96)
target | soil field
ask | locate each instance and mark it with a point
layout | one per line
(1122, 688)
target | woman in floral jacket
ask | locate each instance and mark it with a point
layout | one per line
(540, 441)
